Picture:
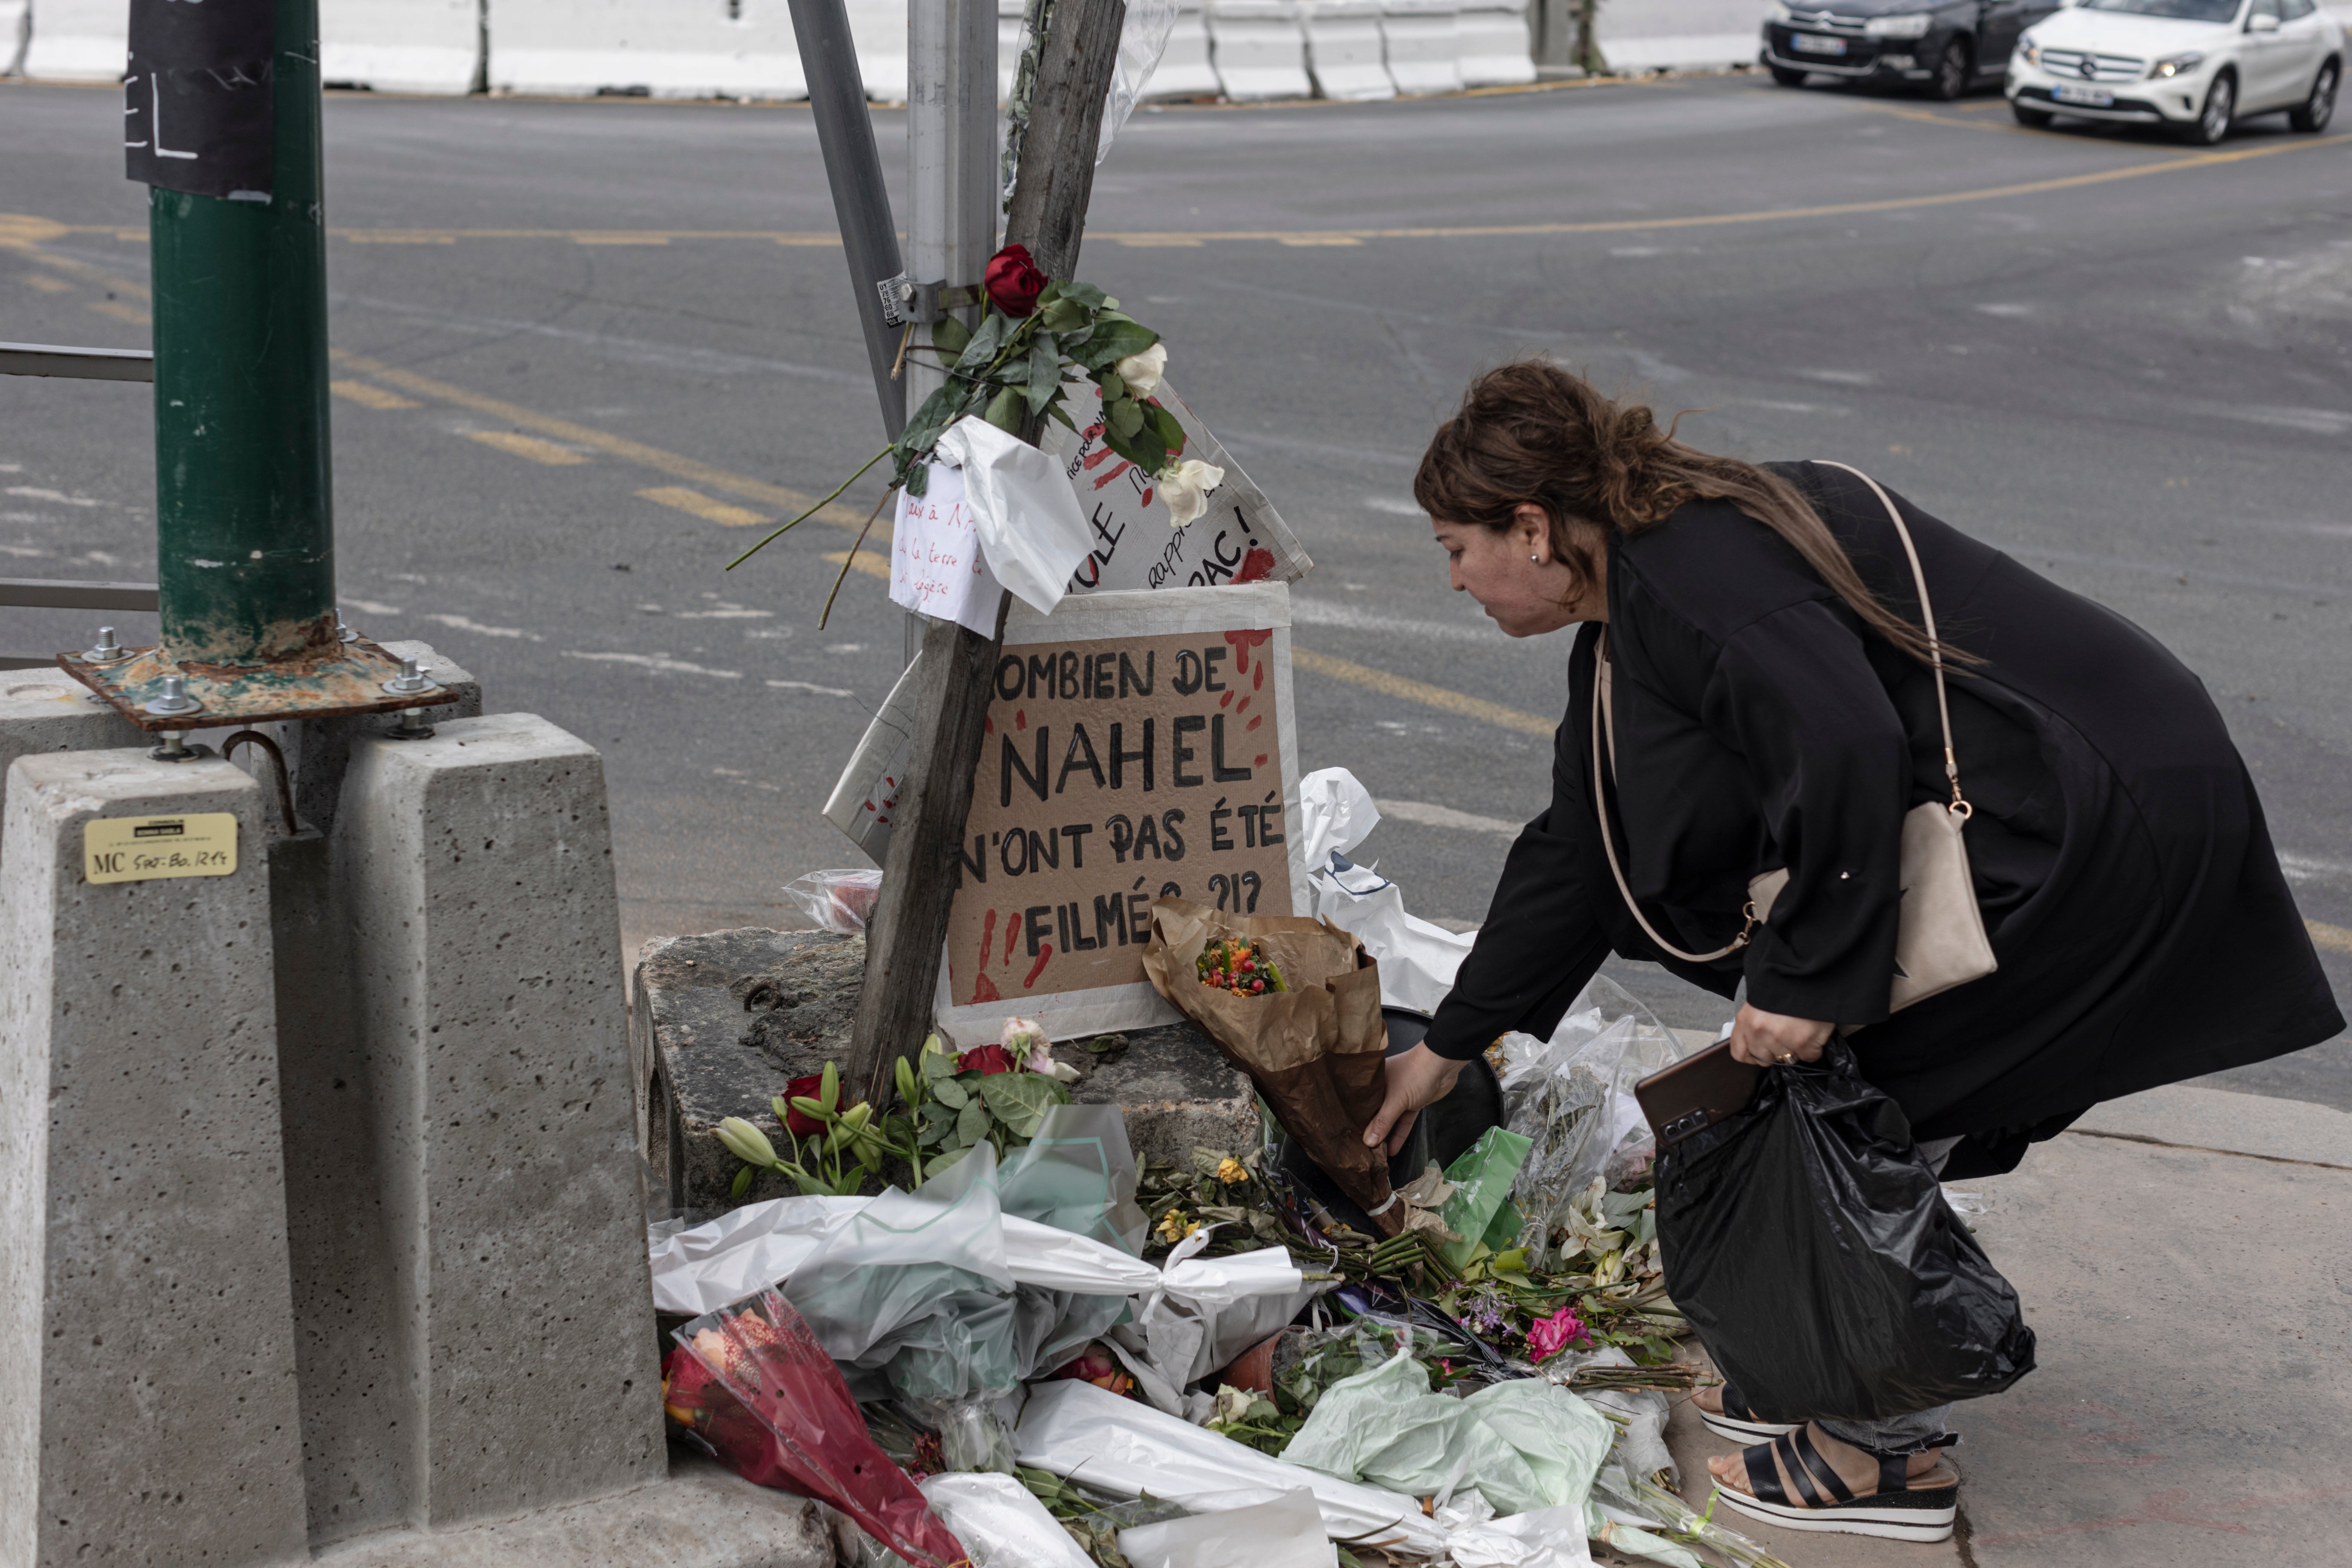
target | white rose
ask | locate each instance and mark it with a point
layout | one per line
(1185, 488)
(1141, 372)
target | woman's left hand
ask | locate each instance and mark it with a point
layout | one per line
(1764, 1038)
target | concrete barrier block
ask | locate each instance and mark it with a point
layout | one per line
(1493, 44)
(79, 40)
(1679, 34)
(1185, 68)
(484, 928)
(1344, 51)
(1259, 49)
(399, 46)
(16, 19)
(50, 710)
(878, 28)
(1424, 45)
(579, 47)
(147, 1404)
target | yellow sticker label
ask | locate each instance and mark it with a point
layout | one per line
(139, 849)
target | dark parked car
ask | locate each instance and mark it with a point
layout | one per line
(1943, 51)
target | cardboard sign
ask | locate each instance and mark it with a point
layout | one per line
(1139, 744)
(143, 848)
(199, 111)
(1240, 539)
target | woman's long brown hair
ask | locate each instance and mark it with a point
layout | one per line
(1531, 432)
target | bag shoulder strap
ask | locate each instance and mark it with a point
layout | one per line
(1927, 619)
(1604, 774)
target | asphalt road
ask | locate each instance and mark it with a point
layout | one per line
(2124, 362)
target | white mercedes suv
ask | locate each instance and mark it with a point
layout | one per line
(2193, 65)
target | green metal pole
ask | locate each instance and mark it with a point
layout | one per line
(244, 505)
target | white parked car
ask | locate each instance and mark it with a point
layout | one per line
(2195, 65)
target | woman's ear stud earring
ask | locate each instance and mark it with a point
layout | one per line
(1535, 558)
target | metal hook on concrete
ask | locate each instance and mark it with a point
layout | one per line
(278, 760)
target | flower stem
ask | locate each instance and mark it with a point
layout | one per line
(812, 512)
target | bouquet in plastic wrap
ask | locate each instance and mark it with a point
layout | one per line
(1572, 1095)
(750, 1384)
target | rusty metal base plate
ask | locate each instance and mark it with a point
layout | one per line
(347, 679)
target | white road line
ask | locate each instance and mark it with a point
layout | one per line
(370, 607)
(1306, 612)
(661, 662)
(1430, 815)
(460, 623)
(807, 686)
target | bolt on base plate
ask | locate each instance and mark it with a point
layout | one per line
(354, 677)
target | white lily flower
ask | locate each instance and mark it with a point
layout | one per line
(1185, 488)
(1141, 372)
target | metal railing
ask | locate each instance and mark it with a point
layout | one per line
(81, 365)
(50, 594)
(57, 593)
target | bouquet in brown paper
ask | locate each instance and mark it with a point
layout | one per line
(1311, 1039)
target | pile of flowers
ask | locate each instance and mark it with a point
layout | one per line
(996, 1093)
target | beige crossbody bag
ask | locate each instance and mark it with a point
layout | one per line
(1939, 939)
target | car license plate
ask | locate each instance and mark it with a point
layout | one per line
(1814, 43)
(2090, 97)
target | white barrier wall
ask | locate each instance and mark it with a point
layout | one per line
(686, 49)
(1496, 48)
(1185, 68)
(1259, 48)
(1680, 35)
(1344, 52)
(1424, 45)
(878, 28)
(13, 16)
(399, 45)
(79, 40)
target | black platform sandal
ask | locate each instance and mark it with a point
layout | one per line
(1739, 1423)
(1900, 1509)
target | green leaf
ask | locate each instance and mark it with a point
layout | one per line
(994, 328)
(1143, 449)
(1164, 426)
(1045, 372)
(1065, 315)
(949, 1093)
(1113, 339)
(1021, 1099)
(1005, 410)
(938, 1064)
(1086, 294)
(972, 1125)
(742, 1182)
(1123, 418)
(1060, 413)
(1113, 388)
(949, 336)
(918, 481)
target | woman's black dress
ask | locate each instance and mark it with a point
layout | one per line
(2143, 931)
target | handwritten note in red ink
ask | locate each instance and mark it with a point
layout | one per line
(936, 564)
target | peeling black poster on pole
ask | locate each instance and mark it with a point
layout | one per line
(197, 110)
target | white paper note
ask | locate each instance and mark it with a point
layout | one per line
(936, 564)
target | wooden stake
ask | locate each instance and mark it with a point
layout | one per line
(906, 935)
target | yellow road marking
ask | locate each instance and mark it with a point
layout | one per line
(678, 466)
(703, 507)
(121, 311)
(23, 231)
(1422, 692)
(531, 447)
(873, 565)
(360, 392)
(2335, 938)
(47, 285)
(394, 237)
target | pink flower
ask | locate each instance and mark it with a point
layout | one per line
(1546, 1337)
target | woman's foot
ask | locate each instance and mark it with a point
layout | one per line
(1806, 1479)
(1726, 1413)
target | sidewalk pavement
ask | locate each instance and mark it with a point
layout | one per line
(2185, 1257)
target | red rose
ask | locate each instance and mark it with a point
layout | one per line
(986, 1060)
(797, 1122)
(1013, 280)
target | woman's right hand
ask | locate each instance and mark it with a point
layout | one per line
(1418, 1078)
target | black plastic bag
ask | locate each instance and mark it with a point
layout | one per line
(1811, 1247)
